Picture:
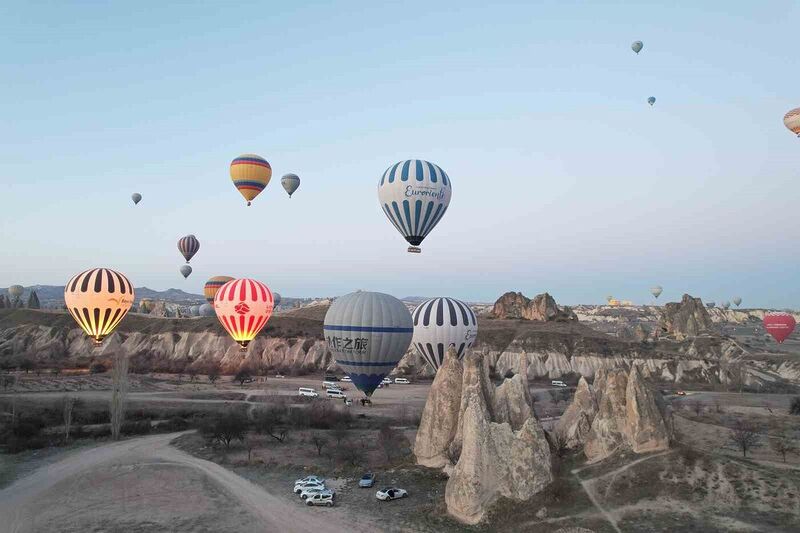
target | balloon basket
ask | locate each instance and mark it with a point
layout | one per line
(414, 250)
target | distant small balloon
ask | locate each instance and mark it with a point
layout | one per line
(656, 291)
(276, 299)
(290, 183)
(136, 197)
(207, 310)
(637, 46)
(710, 305)
(726, 305)
(792, 121)
(194, 310)
(651, 100)
(15, 291)
(185, 270)
(737, 301)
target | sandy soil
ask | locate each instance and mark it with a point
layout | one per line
(143, 485)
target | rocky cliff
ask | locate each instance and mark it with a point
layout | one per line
(542, 308)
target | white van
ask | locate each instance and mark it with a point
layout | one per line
(336, 393)
(558, 383)
(401, 381)
(330, 385)
(304, 391)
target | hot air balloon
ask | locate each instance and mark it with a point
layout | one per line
(651, 100)
(98, 300)
(276, 298)
(290, 183)
(726, 305)
(15, 291)
(212, 286)
(792, 121)
(779, 325)
(440, 322)
(207, 310)
(637, 46)
(186, 270)
(737, 301)
(243, 306)
(710, 305)
(136, 197)
(250, 174)
(194, 310)
(188, 246)
(414, 195)
(656, 291)
(368, 333)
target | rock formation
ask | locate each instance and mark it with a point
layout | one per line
(498, 447)
(439, 421)
(542, 308)
(33, 301)
(629, 414)
(689, 318)
(576, 421)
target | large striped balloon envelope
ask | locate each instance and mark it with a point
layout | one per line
(440, 323)
(213, 285)
(414, 195)
(188, 246)
(368, 333)
(98, 300)
(250, 174)
(243, 306)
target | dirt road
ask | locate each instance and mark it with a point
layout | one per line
(145, 484)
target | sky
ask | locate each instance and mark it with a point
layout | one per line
(564, 179)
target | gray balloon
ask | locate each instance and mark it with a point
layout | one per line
(194, 310)
(656, 291)
(710, 304)
(637, 46)
(276, 299)
(185, 270)
(207, 310)
(290, 183)
(651, 100)
(726, 305)
(737, 301)
(136, 197)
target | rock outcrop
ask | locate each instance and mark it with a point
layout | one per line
(498, 446)
(440, 416)
(630, 414)
(543, 308)
(688, 318)
(576, 421)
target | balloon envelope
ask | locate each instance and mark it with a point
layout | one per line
(250, 174)
(792, 121)
(656, 291)
(188, 246)
(726, 305)
(136, 197)
(185, 270)
(737, 301)
(440, 322)
(651, 100)
(368, 333)
(98, 300)
(710, 304)
(290, 183)
(414, 196)
(276, 297)
(213, 285)
(207, 310)
(779, 325)
(15, 291)
(243, 307)
(637, 46)
(194, 310)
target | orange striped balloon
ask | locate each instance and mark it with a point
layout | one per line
(792, 121)
(243, 306)
(98, 300)
(213, 285)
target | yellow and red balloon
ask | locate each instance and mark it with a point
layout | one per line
(243, 306)
(250, 174)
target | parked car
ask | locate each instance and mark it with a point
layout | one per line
(330, 385)
(280, 376)
(311, 479)
(322, 498)
(367, 480)
(391, 493)
(305, 391)
(401, 381)
(300, 487)
(558, 383)
(386, 381)
(335, 393)
(681, 393)
(310, 491)
(346, 378)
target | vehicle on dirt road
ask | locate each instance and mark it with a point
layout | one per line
(335, 393)
(386, 381)
(310, 479)
(320, 499)
(307, 493)
(558, 383)
(304, 391)
(366, 481)
(346, 378)
(391, 493)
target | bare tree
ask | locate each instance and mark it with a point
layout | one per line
(213, 373)
(319, 443)
(718, 407)
(389, 440)
(745, 436)
(227, 427)
(696, 406)
(119, 392)
(339, 432)
(558, 443)
(783, 445)
(270, 421)
(67, 407)
(243, 375)
(794, 407)
(737, 376)
(192, 373)
(352, 454)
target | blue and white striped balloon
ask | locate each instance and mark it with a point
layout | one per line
(414, 195)
(368, 333)
(440, 322)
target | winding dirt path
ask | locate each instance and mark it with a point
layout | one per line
(66, 487)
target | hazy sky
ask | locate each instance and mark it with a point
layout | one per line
(564, 179)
